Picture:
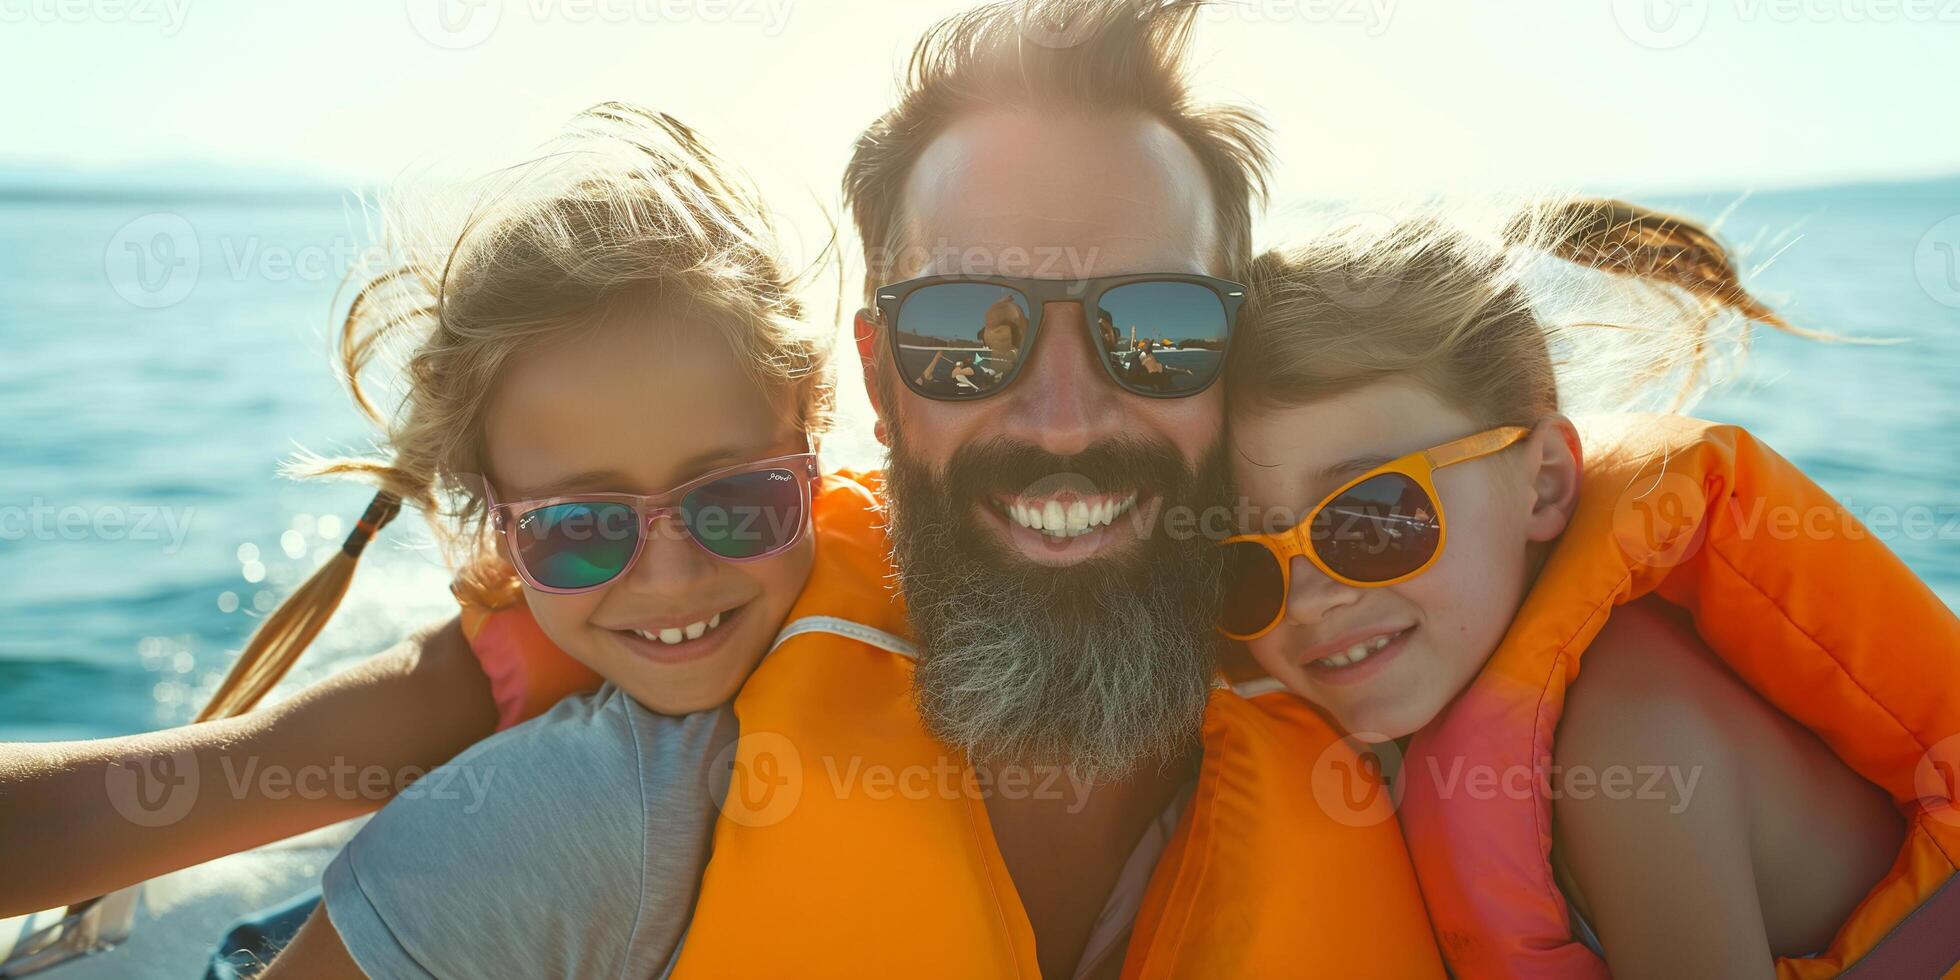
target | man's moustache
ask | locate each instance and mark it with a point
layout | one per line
(1010, 468)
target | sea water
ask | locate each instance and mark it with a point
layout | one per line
(161, 354)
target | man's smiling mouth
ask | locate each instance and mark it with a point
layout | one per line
(1066, 514)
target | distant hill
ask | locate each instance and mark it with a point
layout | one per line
(1945, 189)
(169, 181)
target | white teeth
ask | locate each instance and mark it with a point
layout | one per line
(1070, 520)
(673, 635)
(1358, 652)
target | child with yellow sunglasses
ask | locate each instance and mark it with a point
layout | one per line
(1448, 571)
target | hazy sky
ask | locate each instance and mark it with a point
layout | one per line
(1366, 95)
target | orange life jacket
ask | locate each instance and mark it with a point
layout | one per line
(1798, 598)
(853, 843)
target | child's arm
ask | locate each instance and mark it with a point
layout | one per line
(1662, 868)
(316, 953)
(335, 750)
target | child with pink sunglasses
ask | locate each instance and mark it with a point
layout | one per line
(609, 413)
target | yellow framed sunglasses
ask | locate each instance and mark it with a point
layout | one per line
(1380, 528)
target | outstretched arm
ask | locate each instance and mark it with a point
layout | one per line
(931, 366)
(86, 818)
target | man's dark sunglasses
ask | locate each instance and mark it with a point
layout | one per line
(962, 338)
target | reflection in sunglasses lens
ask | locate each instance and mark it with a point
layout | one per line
(577, 545)
(959, 340)
(746, 515)
(1162, 338)
(1380, 529)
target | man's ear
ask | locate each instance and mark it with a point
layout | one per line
(865, 332)
(1558, 466)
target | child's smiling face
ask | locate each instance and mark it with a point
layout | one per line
(641, 407)
(1420, 641)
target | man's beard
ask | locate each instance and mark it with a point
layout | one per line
(1101, 666)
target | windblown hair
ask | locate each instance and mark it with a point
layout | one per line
(1064, 57)
(1450, 304)
(628, 210)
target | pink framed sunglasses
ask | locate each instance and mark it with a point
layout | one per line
(580, 542)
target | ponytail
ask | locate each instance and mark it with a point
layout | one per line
(1444, 296)
(279, 641)
(1629, 240)
(1657, 249)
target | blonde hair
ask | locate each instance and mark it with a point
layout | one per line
(628, 208)
(1438, 298)
(1056, 56)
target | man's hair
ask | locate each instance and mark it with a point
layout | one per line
(1074, 55)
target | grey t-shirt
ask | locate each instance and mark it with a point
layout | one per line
(568, 846)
